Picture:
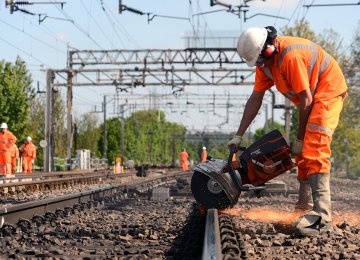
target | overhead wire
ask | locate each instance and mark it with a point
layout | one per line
(278, 13)
(96, 23)
(295, 10)
(24, 52)
(31, 36)
(306, 11)
(66, 15)
(117, 24)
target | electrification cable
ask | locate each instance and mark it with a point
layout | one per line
(96, 23)
(31, 36)
(120, 26)
(111, 23)
(296, 8)
(66, 15)
(24, 52)
(281, 6)
(306, 11)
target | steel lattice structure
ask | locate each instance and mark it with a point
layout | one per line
(175, 68)
(153, 67)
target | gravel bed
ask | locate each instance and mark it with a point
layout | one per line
(268, 234)
(128, 229)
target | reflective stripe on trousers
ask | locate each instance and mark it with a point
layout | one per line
(321, 125)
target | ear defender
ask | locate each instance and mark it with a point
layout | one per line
(270, 49)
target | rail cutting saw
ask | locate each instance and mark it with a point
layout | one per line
(217, 183)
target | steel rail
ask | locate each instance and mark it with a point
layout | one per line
(28, 210)
(212, 241)
(12, 214)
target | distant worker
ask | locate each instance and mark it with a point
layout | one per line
(309, 77)
(14, 153)
(203, 154)
(184, 160)
(6, 140)
(28, 155)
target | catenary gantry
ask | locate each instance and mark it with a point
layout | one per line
(175, 68)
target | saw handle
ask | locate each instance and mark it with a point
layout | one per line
(232, 170)
(233, 174)
(232, 152)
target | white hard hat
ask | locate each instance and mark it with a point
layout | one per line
(28, 138)
(204, 148)
(3, 125)
(251, 43)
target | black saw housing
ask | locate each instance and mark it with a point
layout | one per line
(217, 183)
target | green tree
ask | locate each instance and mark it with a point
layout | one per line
(261, 131)
(15, 96)
(37, 125)
(36, 128)
(349, 124)
(149, 138)
(88, 133)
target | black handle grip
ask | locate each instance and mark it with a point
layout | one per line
(232, 151)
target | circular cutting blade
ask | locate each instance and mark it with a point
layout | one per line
(208, 193)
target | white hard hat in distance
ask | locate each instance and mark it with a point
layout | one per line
(3, 125)
(250, 44)
(204, 148)
(28, 138)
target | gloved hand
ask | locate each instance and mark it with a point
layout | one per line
(296, 148)
(236, 140)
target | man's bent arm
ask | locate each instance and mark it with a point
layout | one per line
(251, 109)
(306, 104)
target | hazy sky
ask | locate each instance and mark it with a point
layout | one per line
(97, 24)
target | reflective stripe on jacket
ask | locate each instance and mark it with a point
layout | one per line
(6, 139)
(28, 150)
(301, 64)
(14, 151)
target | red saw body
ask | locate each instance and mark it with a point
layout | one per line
(218, 183)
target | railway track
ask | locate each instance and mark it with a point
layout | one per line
(23, 183)
(116, 221)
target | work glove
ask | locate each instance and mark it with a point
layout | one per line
(236, 140)
(296, 147)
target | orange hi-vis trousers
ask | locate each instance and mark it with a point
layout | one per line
(185, 166)
(5, 162)
(320, 127)
(13, 164)
(27, 164)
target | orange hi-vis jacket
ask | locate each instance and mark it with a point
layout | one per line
(203, 156)
(6, 140)
(184, 156)
(14, 151)
(301, 64)
(28, 150)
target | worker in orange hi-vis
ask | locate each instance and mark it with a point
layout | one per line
(203, 154)
(309, 77)
(6, 140)
(184, 160)
(14, 152)
(28, 155)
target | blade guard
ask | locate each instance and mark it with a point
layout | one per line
(265, 159)
(215, 169)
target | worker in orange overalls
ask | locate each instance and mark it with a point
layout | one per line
(203, 154)
(184, 160)
(304, 73)
(6, 140)
(28, 155)
(14, 153)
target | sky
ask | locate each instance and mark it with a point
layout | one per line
(43, 41)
